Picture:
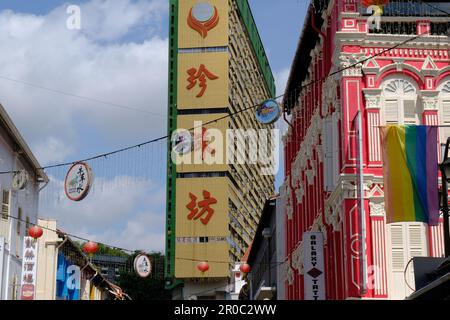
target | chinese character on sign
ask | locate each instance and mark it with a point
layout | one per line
(29, 255)
(28, 266)
(28, 278)
(201, 142)
(201, 75)
(203, 206)
(30, 244)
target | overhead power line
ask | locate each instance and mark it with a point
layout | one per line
(73, 95)
(358, 63)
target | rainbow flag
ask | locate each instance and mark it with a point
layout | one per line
(410, 169)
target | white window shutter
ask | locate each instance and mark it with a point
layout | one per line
(409, 112)
(391, 111)
(398, 247)
(408, 240)
(446, 111)
(445, 132)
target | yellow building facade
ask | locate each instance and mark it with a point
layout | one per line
(217, 70)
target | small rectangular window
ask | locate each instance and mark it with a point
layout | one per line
(5, 204)
(19, 220)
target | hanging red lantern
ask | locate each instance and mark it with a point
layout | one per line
(369, 3)
(35, 232)
(90, 248)
(245, 268)
(203, 266)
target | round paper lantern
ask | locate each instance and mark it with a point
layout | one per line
(90, 248)
(35, 232)
(203, 266)
(245, 268)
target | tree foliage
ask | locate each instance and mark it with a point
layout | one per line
(150, 288)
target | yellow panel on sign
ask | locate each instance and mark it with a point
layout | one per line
(208, 143)
(202, 23)
(185, 267)
(203, 80)
(202, 207)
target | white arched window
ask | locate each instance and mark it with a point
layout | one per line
(444, 99)
(399, 100)
(444, 109)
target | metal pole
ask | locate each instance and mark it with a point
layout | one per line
(362, 214)
(445, 208)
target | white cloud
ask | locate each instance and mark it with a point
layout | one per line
(42, 51)
(281, 79)
(53, 149)
(118, 56)
(121, 211)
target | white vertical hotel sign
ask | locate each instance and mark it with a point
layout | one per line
(29, 266)
(2, 253)
(313, 266)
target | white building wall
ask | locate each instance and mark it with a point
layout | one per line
(47, 262)
(13, 231)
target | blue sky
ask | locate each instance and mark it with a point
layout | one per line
(119, 55)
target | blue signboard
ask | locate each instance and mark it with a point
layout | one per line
(67, 280)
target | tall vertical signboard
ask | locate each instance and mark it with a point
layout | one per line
(29, 266)
(314, 268)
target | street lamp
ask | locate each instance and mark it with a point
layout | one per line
(445, 173)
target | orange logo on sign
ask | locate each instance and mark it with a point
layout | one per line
(203, 17)
(201, 75)
(204, 205)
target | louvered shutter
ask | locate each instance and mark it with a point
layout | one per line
(446, 111)
(409, 112)
(445, 132)
(408, 240)
(391, 111)
(5, 204)
(4, 220)
(398, 257)
(417, 247)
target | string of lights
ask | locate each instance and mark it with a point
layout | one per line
(310, 83)
(105, 155)
(116, 247)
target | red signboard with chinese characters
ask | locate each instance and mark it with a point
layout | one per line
(29, 266)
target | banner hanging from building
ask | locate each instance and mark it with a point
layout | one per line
(410, 171)
(314, 269)
(29, 266)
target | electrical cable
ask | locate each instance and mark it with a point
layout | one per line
(234, 113)
(81, 97)
(356, 64)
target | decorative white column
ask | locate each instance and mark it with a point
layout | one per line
(373, 100)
